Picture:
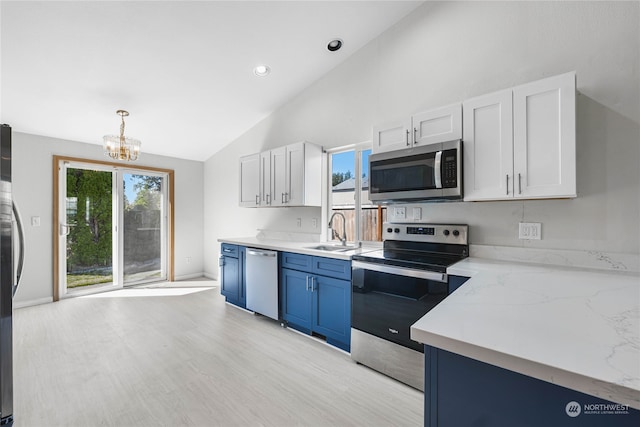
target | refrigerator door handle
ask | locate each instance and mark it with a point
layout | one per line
(16, 214)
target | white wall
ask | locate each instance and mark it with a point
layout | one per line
(32, 170)
(451, 51)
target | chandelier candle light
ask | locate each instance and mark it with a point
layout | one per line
(121, 147)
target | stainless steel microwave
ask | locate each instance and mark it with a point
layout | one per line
(431, 172)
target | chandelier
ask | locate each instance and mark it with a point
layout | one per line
(121, 147)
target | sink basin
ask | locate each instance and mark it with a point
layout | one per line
(332, 248)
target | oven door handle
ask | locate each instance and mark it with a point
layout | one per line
(400, 271)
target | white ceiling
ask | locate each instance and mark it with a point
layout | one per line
(184, 70)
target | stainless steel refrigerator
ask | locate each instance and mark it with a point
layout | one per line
(11, 258)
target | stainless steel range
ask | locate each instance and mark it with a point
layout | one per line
(394, 287)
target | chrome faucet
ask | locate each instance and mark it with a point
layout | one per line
(343, 239)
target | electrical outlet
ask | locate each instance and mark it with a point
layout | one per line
(314, 222)
(401, 213)
(530, 231)
(417, 214)
(188, 260)
(299, 222)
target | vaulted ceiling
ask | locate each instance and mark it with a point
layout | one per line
(183, 69)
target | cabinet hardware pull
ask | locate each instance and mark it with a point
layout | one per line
(393, 331)
(282, 198)
(407, 137)
(257, 199)
(415, 135)
(507, 186)
(307, 284)
(268, 199)
(313, 284)
(519, 184)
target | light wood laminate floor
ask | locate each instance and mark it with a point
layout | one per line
(182, 357)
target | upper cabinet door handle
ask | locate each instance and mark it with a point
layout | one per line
(507, 186)
(407, 137)
(415, 135)
(519, 184)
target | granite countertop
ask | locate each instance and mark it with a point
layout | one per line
(305, 247)
(578, 328)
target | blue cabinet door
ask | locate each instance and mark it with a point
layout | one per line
(230, 278)
(332, 310)
(242, 257)
(296, 298)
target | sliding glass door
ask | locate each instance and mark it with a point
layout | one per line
(143, 224)
(88, 228)
(112, 227)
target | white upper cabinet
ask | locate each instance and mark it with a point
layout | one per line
(433, 126)
(544, 138)
(265, 179)
(439, 125)
(392, 136)
(488, 147)
(278, 179)
(284, 176)
(303, 175)
(520, 142)
(250, 180)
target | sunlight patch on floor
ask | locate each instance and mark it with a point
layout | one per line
(148, 292)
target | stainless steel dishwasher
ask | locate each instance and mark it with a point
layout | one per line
(262, 282)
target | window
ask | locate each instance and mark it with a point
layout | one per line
(349, 196)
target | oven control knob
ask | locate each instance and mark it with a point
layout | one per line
(456, 233)
(389, 230)
(445, 232)
(396, 230)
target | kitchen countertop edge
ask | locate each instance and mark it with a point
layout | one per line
(293, 246)
(503, 346)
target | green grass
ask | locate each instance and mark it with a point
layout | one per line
(78, 280)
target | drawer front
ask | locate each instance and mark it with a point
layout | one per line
(338, 268)
(296, 261)
(229, 250)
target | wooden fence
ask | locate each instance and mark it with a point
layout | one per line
(371, 222)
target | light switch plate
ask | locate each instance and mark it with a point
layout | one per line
(401, 213)
(530, 231)
(35, 221)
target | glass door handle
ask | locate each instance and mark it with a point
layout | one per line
(65, 229)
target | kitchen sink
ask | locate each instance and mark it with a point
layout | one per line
(332, 248)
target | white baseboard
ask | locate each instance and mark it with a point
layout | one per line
(190, 276)
(210, 276)
(31, 302)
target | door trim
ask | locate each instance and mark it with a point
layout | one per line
(56, 217)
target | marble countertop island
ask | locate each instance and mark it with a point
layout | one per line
(577, 328)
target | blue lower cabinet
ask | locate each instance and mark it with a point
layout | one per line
(296, 299)
(332, 310)
(460, 391)
(317, 304)
(232, 278)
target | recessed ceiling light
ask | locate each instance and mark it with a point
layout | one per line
(261, 70)
(334, 45)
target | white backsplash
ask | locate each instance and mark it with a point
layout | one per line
(569, 258)
(292, 236)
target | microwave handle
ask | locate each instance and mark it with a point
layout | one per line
(437, 169)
